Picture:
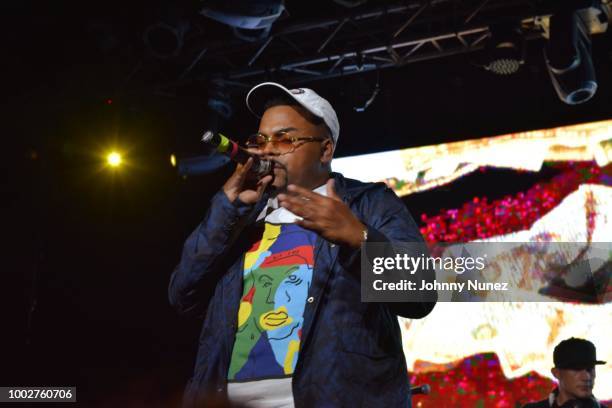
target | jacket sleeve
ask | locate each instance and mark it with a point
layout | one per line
(195, 277)
(389, 221)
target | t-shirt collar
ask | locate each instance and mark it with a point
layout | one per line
(280, 215)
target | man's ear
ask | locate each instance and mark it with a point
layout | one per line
(327, 151)
(555, 372)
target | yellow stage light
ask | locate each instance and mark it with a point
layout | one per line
(173, 160)
(113, 159)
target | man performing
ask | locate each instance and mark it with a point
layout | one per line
(575, 371)
(274, 269)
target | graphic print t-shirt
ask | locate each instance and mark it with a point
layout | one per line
(277, 275)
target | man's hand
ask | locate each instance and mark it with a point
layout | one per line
(240, 186)
(328, 216)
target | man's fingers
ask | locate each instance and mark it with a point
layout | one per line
(263, 183)
(300, 191)
(308, 224)
(297, 204)
(246, 166)
(293, 205)
(243, 170)
(265, 180)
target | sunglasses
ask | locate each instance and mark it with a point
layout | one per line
(282, 141)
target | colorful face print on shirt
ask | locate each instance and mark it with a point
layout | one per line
(277, 276)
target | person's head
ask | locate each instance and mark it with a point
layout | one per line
(303, 130)
(575, 361)
(575, 382)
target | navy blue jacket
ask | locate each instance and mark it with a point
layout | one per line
(351, 353)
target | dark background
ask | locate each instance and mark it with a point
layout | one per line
(94, 248)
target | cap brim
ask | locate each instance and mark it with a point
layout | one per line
(580, 365)
(259, 95)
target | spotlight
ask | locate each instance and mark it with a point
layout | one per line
(350, 3)
(250, 20)
(113, 159)
(568, 58)
(504, 53)
(173, 160)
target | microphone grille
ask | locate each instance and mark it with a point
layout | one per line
(207, 136)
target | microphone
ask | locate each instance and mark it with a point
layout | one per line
(421, 389)
(236, 153)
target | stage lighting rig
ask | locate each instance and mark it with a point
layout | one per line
(250, 20)
(350, 3)
(568, 51)
(504, 53)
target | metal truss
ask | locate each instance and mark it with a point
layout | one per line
(371, 58)
(385, 37)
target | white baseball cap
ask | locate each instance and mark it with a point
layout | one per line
(260, 94)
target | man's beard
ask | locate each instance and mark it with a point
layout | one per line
(274, 190)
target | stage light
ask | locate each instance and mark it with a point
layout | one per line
(113, 159)
(173, 160)
(504, 53)
(350, 3)
(568, 58)
(250, 20)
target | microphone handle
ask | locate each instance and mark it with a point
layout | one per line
(231, 149)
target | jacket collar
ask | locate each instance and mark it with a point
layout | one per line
(349, 189)
(553, 395)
